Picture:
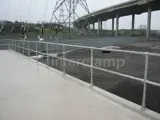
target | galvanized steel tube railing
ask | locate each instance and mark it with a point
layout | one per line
(145, 80)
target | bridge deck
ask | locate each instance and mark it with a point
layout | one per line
(31, 93)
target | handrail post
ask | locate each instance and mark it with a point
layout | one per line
(12, 45)
(47, 55)
(19, 52)
(64, 62)
(52, 61)
(145, 83)
(15, 47)
(28, 50)
(36, 53)
(9, 47)
(91, 77)
(23, 44)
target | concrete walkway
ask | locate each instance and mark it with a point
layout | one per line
(28, 92)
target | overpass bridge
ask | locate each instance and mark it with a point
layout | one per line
(131, 7)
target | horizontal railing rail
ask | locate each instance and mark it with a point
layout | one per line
(19, 44)
(95, 48)
(6, 46)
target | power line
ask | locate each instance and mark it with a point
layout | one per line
(46, 7)
(20, 4)
(34, 8)
(9, 5)
(29, 10)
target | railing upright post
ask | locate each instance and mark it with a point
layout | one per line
(15, 47)
(23, 44)
(9, 47)
(91, 77)
(28, 50)
(47, 55)
(12, 45)
(18, 48)
(64, 62)
(145, 83)
(52, 61)
(36, 53)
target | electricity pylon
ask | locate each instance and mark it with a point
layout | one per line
(64, 12)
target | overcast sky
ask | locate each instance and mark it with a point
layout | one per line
(33, 10)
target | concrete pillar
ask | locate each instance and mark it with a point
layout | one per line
(98, 31)
(78, 26)
(117, 24)
(106, 26)
(101, 25)
(133, 23)
(112, 26)
(88, 25)
(93, 26)
(82, 26)
(149, 22)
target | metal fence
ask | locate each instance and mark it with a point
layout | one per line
(4, 46)
(22, 46)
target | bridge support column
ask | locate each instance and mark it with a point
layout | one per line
(112, 26)
(101, 25)
(77, 26)
(98, 31)
(149, 22)
(88, 25)
(82, 26)
(117, 24)
(93, 26)
(133, 24)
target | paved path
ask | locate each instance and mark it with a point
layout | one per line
(28, 93)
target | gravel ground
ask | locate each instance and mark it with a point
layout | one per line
(123, 87)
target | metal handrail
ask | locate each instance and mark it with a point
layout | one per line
(8, 45)
(144, 80)
(95, 48)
